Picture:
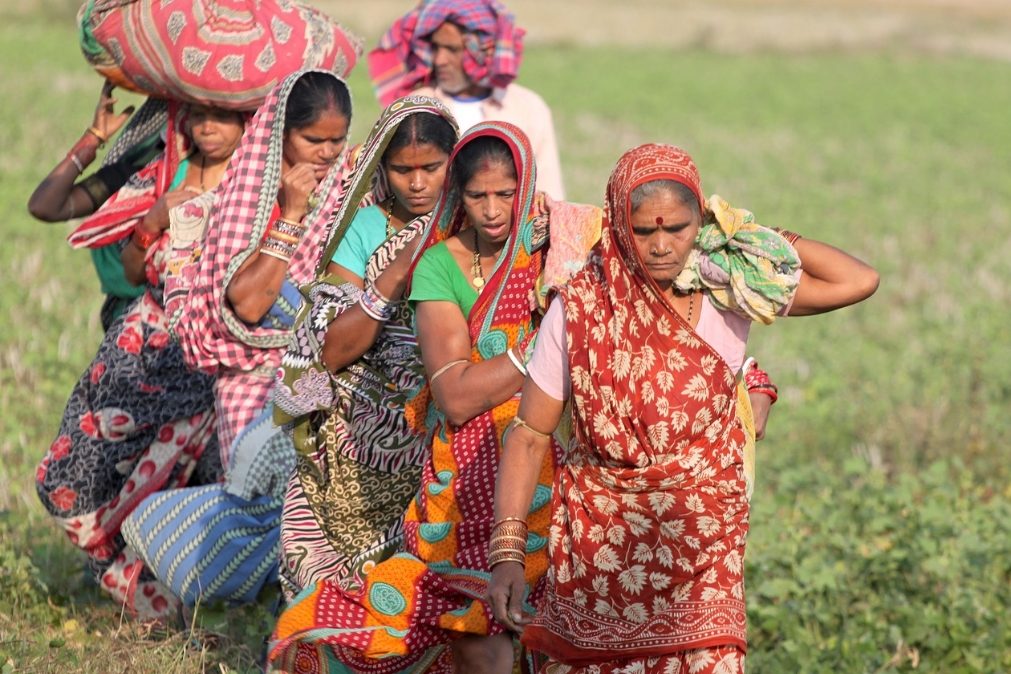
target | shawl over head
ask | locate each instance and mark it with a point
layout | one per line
(303, 384)
(743, 267)
(527, 239)
(657, 459)
(403, 60)
(369, 175)
(211, 335)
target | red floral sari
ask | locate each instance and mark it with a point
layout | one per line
(649, 514)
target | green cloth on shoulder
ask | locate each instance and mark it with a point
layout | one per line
(438, 277)
(365, 234)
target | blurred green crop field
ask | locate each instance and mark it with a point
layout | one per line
(881, 526)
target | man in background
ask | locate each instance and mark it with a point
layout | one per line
(466, 53)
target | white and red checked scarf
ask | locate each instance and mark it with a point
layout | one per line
(119, 216)
(213, 338)
(649, 514)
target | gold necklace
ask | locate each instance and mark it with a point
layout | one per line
(476, 273)
(389, 216)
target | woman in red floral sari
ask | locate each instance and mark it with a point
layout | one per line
(649, 512)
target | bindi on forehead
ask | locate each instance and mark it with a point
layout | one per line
(659, 219)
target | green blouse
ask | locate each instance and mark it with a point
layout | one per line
(438, 277)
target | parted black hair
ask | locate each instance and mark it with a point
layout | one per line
(423, 129)
(313, 94)
(482, 150)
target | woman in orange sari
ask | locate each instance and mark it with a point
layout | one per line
(649, 508)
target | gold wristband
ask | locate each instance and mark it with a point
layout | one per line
(97, 134)
(281, 236)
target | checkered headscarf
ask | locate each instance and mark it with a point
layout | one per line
(403, 60)
(211, 335)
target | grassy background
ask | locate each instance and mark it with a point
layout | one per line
(880, 536)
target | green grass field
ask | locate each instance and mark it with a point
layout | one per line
(880, 532)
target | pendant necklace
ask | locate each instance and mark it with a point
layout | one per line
(476, 273)
(390, 231)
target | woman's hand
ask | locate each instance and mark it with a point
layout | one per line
(505, 595)
(761, 405)
(157, 219)
(106, 121)
(296, 186)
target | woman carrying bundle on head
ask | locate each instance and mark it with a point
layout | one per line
(649, 512)
(262, 239)
(352, 381)
(139, 420)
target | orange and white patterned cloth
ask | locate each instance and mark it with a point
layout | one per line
(224, 53)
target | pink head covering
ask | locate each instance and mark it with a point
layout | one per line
(403, 60)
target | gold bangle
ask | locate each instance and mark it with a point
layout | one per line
(494, 560)
(507, 537)
(508, 556)
(509, 528)
(517, 421)
(293, 223)
(275, 254)
(281, 236)
(509, 519)
(442, 370)
(98, 134)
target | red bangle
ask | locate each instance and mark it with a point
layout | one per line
(791, 237)
(144, 239)
(771, 392)
(757, 381)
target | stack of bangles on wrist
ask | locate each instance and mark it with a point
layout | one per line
(791, 237)
(143, 239)
(282, 239)
(375, 304)
(508, 542)
(757, 381)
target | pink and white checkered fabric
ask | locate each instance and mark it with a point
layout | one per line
(212, 337)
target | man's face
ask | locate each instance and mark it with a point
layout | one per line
(447, 59)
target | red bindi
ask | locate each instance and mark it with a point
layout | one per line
(659, 219)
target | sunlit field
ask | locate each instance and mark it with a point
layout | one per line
(881, 524)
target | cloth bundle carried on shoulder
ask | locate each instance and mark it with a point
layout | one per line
(224, 53)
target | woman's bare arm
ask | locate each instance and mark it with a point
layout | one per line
(519, 468)
(57, 198)
(832, 279)
(257, 283)
(467, 389)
